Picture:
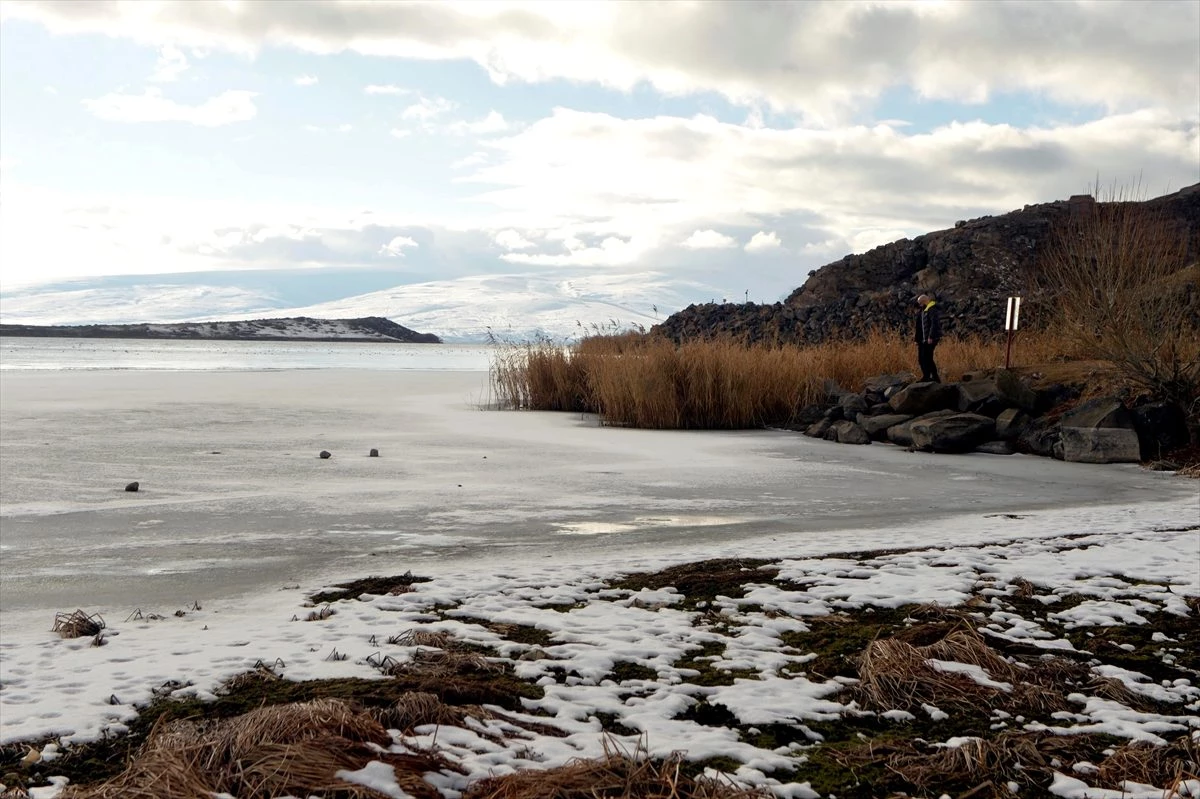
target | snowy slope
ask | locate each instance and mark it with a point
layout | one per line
(522, 306)
(510, 307)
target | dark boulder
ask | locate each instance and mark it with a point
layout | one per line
(1010, 423)
(325, 454)
(134, 486)
(1100, 412)
(1161, 427)
(853, 405)
(1052, 396)
(877, 426)
(901, 434)
(806, 416)
(879, 409)
(960, 432)
(973, 393)
(996, 448)
(1100, 445)
(374, 453)
(1013, 393)
(847, 432)
(921, 398)
(888, 384)
(1041, 437)
(819, 428)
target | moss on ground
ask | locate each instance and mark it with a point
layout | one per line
(702, 582)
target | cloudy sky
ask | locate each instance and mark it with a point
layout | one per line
(740, 144)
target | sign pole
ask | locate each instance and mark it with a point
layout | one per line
(1012, 317)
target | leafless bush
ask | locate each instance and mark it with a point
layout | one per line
(1117, 275)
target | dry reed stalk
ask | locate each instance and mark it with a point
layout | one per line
(1161, 766)
(619, 774)
(417, 708)
(430, 638)
(651, 382)
(300, 768)
(443, 662)
(158, 774)
(897, 675)
(292, 723)
(79, 624)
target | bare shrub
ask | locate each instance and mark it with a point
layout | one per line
(1117, 281)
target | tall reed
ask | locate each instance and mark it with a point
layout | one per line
(650, 382)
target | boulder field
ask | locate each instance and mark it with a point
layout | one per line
(996, 412)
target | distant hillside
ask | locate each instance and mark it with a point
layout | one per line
(972, 267)
(300, 328)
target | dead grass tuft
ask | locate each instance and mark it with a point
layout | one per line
(79, 624)
(430, 638)
(618, 775)
(292, 749)
(894, 674)
(418, 708)
(1162, 766)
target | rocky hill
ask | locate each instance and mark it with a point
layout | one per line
(300, 328)
(972, 268)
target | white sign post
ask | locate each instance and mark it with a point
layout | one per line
(1012, 318)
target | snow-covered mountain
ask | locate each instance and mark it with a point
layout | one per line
(515, 307)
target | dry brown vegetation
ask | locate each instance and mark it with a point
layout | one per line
(1118, 279)
(79, 624)
(620, 774)
(646, 381)
(292, 749)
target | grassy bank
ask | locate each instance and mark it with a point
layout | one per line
(649, 382)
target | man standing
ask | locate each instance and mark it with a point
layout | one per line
(928, 332)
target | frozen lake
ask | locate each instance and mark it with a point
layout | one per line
(235, 500)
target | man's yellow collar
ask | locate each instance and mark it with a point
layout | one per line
(930, 305)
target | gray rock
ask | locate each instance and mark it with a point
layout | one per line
(879, 409)
(922, 398)
(134, 486)
(1041, 437)
(960, 432)
(1100, 445)
(325, 454)
(1101, 412)
(848, 432)
(1010, 423)
(996, 448)
(901, 434)
(891, 382)
(1013, 393)
(374, 453)
(818, 428)
(877, 426)
(972, 393)
(853, 405)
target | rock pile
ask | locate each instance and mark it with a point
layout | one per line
(995, 412)
(972, 268)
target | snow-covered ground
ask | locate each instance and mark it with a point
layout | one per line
(514, 517)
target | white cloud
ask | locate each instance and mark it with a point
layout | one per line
(821, 58)
(306, 80)
(709, 240)
(171, 64)
(763, 241)
(512, 240)
(345, 128)
(494, 122)
(150, 106)
(400, 133)
(396, 246)
(429, 108)
(386, 88)
(474, 159)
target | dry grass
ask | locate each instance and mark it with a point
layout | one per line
(1163, 766)
(894, 674)
(293, 749)
(618, 775)
(79, 624)
(650, 382)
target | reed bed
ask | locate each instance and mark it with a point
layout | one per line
(644, 381)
